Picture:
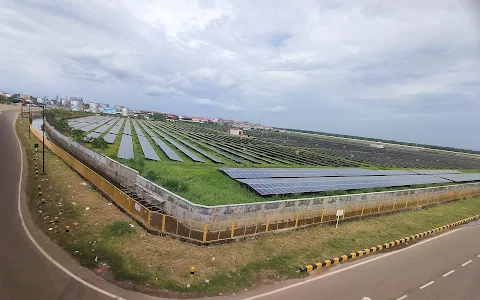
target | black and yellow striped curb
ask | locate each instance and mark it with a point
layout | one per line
(336, 260)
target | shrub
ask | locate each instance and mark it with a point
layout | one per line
(119, 228)
(152, 176)
(99, 143)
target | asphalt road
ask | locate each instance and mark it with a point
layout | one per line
(422, 271)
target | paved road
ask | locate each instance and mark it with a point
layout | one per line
(25, 273)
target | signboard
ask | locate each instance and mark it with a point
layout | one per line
(339, 214)
(138, 207)
(109, 110)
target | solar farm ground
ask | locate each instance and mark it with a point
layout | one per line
(185, 157)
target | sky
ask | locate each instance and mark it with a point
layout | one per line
(404, 70)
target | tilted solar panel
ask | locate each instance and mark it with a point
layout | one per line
(167, 150)
(278, 186)
(435, 172)
(461, 177)
(147, 149)
(179, 147)
(109, 138)
(126, 147)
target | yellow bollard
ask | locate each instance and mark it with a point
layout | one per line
(192, 271)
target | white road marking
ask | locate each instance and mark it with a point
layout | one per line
(427, 284)
(466, 263)
(346, 268)
(34, 242)
(446, 274)
(403, 297)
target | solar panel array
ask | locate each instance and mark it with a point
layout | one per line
(147, 149)
(271, 181)
(213, 149)
(127, 129)
(178, 146)
(105, 127)
(126, 147)
(110, 138)
(461, 177)
(435, 172)
(167, 150)
(92, 135)
(278, 186)
(95, 124)
(237, 173)
(115, 129)
(137, 129)
(204, 153)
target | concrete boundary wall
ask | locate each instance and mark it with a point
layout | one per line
(179, 207)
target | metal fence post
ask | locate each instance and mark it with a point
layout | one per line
(296, 220)
(321, 218)
(379, 203)
(149, 218)
(204, 232)
(363, 207)
(394, 202)
(268, 223)
(163, 223)
(233, 229)
(406, 203)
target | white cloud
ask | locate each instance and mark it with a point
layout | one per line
(354, 59)
(215, 104)
(277, 108)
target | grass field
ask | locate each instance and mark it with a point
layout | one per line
(102, 234)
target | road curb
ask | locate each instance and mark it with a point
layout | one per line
(353, 255)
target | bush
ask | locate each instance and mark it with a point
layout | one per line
(119, 228)
(175, 185)
(99, 143)
(152, 176)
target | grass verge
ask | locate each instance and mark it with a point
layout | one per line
(102, 234)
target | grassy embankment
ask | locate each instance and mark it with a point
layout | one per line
(102, 234)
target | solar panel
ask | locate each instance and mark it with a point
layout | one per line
(137, 129)
(204, 153)
(92, 135)
(147, 149)
(234, 158)
(126, 147)
(461, 177)
(435, 172)
(105, 127)
(95, 124)
(179, 147)
(127, 129)
(109, 138)
(278, 186)
(307, 172)
(169, 152)
(115, 129)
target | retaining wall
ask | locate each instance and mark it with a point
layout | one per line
(277, 211)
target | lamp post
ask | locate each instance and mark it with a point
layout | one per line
(43, 139)
(29, 120)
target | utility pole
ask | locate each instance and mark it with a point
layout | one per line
(43, 140)
(29, 120)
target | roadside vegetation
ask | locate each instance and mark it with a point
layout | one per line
(102, 238)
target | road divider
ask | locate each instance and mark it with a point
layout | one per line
(360, 253)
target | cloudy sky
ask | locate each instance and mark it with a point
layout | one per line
(406, 70)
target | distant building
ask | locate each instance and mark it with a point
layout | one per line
(79, 99)
(378, 145)
(236, 131)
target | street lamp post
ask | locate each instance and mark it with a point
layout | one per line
(43, 139)
(29, 120)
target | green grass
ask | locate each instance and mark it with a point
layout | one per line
(119, 228)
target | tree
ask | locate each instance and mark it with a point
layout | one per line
(5, 99)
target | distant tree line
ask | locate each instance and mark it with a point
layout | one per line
(5, 100)
(384, 141)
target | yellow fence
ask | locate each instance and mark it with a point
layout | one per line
(220, 231)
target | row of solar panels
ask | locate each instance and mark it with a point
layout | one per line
(281, 186)
(238, 173)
